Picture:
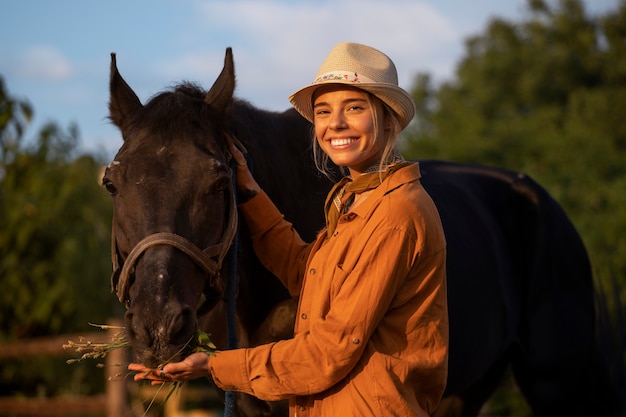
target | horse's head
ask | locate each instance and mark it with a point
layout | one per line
(174, 213)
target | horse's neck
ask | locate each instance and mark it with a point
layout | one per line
(279, 146)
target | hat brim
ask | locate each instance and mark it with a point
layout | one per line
(393, 96)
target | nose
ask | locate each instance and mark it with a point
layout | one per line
(338, 121)
(161, 317)
(160, 334)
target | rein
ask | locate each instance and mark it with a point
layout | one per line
(231, 296)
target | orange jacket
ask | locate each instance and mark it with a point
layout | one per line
(371, 333)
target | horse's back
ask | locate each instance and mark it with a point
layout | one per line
(520, 288)
(483, 284)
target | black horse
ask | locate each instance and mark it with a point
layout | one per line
(520, 283)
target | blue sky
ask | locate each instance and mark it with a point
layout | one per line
(56, 53)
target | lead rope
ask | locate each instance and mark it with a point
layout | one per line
(231, 288)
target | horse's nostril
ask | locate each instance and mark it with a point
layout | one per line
(130, 333)
(136, 332)
(183, 326)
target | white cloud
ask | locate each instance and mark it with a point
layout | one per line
(279, 45)
(43, 63)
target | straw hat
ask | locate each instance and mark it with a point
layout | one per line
(363, 67)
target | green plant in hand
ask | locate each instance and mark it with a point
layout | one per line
(99, 349)
(204, 344)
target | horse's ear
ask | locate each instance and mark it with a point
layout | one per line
(221, 93)
(123, 102)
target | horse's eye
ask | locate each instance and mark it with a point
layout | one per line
(109, 186)
(220, 185)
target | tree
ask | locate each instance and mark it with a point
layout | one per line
(54, 241)
(14, 116)
(546, 97)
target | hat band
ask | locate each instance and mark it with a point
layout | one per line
(351, 77)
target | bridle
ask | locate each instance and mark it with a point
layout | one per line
(210, 259)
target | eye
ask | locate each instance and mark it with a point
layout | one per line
(321, 109)
(106, 183)
(355, 107)
(220, 185)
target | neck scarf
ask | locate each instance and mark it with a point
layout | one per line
(343, 193)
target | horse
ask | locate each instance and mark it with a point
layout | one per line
(520, 284)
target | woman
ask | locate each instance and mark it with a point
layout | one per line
(371, 332)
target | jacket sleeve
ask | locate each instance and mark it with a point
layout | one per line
(277, 244)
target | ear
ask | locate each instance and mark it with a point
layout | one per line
(221, 93)
(123, 102)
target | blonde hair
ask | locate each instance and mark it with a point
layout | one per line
(389, 155)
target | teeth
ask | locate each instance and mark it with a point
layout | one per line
(341, 142)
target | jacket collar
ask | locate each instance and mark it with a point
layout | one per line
(404, 175)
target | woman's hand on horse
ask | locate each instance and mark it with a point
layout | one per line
(246, 184)
(236, 152)
(193, 366)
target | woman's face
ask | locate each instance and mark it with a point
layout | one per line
(346, 129)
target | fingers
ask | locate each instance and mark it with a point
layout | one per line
(238, 156)
(246, 184)
(151, 376)
(235, 147)
(137, 367)
(155, 376)
(193, 366)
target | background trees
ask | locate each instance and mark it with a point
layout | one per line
(545, 96)
(54, 247)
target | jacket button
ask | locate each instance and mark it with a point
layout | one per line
(356, 341)
(304, 316)
(312, 271)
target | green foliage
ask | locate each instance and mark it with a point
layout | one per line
(54, 245)
(53, 241)
(14, 117)
(545, 96)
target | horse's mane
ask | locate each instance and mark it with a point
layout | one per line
(186, 100)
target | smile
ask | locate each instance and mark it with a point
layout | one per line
(342, 141)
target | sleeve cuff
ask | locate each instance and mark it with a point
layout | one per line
(229, 371)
